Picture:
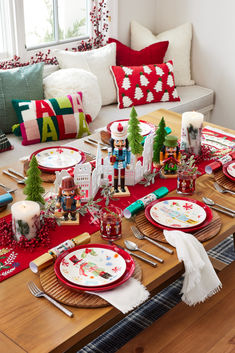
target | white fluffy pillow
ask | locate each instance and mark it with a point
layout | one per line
(97, 61)
(68, 81)
(179, 49)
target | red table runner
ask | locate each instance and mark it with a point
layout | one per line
(16, 260)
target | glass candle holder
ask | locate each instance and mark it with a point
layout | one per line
(111, 223)
(186, 182)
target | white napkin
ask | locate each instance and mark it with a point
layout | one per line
(125, 297)
(200, 278)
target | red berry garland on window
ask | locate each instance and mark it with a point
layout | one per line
(99, 17)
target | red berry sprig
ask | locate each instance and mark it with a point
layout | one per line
(42, 238)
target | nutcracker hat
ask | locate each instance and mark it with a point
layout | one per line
(170, 141)
(68, 184)
(118, 131)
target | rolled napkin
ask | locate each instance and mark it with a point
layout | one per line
(200, 278)
(127, 296)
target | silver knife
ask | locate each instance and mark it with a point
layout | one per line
(222, 211)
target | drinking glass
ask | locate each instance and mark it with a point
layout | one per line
(111, 223)
(186, 182)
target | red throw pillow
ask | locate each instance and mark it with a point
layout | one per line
(153, 54)
(144, 84)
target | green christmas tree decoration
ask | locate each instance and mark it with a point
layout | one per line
(134, 136)
(33, 188)
(158, 140)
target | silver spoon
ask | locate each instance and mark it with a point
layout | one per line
(212, 203)
(141, 236)
(133, 246)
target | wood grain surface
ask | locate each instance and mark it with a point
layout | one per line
(38, 327)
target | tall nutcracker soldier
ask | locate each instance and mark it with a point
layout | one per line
(119, 154)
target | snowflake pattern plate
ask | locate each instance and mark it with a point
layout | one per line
(51, 159)
(176, 213)
(145, 127)
(93, 266)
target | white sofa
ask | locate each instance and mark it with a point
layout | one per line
(192, 98)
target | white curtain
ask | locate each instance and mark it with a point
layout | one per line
(104, 23)
(6, 29)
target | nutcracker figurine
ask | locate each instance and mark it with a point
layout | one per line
(170, 156)
(119, 154)
(68, 198)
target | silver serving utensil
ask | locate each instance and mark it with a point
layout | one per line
(152, 263)
(133, 246)
(141, 236)
(210, 202)
(19, 181)
(96, 142)
(7, 189)
(16, 173)
(39, 293)
(103, 148)
(223, 190)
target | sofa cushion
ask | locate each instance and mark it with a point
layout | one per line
(153, 54)
(191, 98)
(5, 144)
(179, 49)
(70, 81)
(50, 120)
(137, 85)
(96, 61)
(21, 83)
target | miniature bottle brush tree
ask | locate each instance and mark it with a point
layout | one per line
(158, 141)
(33, 188)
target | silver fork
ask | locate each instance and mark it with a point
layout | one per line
(140, 235)
(223, 190)
(14, 177)
(39, 293)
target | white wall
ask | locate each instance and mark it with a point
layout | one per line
(143, 11)
(213, 50)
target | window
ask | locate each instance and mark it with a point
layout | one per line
(6, 29)
(33, 24)
(49, 22)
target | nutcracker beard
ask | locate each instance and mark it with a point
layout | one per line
(122, 175)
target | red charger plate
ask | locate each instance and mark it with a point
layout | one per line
(152, 126)
(53, 170)
(226, 172)
(209, 214)
(130, 267)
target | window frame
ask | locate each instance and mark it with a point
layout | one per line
(19, 38)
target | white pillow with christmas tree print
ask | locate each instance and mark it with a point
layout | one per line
(137, 85)
(179, 49)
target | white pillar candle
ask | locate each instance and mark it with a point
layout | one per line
(25, 219)
(191, 132)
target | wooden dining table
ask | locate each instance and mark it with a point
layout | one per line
(28, 324)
